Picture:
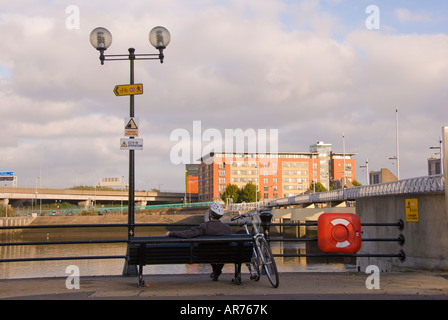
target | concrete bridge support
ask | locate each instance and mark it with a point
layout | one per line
(15, 222)
(85, 204)
(426, 240)
(4, 203)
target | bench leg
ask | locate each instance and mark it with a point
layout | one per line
(237, 279)
(141, 282)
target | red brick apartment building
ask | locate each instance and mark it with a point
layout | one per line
(276, 175)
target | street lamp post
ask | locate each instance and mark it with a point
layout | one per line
(441, 154)
(101, 39)
(367, 171)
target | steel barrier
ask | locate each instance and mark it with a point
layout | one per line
(400, 240)
(435, 183)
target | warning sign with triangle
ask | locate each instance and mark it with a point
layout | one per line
(131, 124)
(131, 144)
(131, 127)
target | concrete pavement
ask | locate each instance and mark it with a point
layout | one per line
(304, 285)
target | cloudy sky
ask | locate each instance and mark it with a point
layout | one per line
(311, 69)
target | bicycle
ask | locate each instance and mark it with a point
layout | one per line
(262, 255)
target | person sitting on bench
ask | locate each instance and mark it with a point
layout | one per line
(214, 227)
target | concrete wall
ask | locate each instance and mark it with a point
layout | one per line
(426, 245)
(15, 221)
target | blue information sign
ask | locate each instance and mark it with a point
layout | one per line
(6, 174)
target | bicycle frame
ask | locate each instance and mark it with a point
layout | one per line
(262, 256)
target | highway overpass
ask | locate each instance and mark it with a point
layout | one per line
(17, 197)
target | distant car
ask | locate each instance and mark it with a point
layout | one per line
(54, 213)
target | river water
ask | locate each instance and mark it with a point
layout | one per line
(101, 267)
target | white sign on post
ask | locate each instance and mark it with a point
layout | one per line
(131, 144)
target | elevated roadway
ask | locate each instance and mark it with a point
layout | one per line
(86, 197)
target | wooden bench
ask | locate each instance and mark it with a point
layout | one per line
(236, 249)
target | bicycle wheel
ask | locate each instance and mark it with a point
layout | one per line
(268, 262)
(254, 267)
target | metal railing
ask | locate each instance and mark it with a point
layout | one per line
(400, 240)
(425, 184)
(109, 209)
(68, 226)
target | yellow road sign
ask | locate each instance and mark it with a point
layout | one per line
(131, 127)
(128, 89)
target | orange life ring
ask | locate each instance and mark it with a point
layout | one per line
(339, 232)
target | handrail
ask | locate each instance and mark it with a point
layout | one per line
(435, 183)
(398, 224)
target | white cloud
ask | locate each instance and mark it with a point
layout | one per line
(231, 64)
(405, 15)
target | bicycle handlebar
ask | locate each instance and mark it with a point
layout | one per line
(248, 214)
(241, 216)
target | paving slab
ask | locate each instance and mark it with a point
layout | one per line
(301, 285)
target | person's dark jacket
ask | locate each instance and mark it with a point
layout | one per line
(209, 228)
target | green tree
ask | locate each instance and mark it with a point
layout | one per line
(319, 187)
(356, 183)
(249, 193)
(232, 192)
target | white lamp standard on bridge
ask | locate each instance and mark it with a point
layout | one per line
(101, 39)
(441, 154)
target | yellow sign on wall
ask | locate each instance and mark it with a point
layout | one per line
(412, 210)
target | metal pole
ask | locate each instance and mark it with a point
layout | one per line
(343, 147)
(131, 202)
(367, 172)
(444, 151)
(442, 171)
(131, 270)
(398, 149)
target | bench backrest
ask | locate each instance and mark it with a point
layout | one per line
(206, 249)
